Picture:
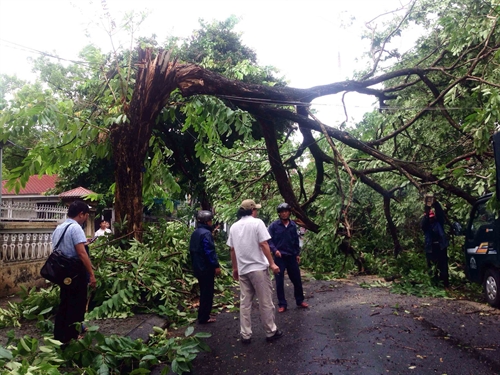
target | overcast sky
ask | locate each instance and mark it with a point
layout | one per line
(309, 41)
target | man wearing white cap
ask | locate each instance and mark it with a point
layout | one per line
(251, 258)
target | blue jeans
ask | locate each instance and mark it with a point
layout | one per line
(288, 262)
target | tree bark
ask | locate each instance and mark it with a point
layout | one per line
(390, 225)
(284, 184)
(130, 140)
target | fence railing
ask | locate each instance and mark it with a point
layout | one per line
(32, 212)
(24, 246)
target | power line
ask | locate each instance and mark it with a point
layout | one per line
(33, 50)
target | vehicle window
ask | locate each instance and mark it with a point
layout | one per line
(482, 219)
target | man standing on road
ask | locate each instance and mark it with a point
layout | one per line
(285, 247)
(205, 263)
(73, 296)
(251, 258)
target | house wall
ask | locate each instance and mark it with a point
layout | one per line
(24, 247)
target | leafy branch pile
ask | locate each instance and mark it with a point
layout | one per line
(99, 354)
(34, 305)
(150, 277)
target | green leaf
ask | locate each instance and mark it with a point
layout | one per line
(4, 353)
(103, 370)
(24, 345)
(202, 335)
(189, 331)
(45, 311)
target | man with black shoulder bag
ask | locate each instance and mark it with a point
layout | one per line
(71, 240)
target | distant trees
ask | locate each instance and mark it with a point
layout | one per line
(438, 106)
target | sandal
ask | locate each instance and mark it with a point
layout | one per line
(211, 320)
(83, 332)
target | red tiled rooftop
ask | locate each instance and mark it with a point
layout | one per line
(76, 193)
(35, 186)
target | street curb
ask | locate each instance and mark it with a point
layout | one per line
(144, 329)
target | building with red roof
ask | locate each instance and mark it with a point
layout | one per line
(36, 190)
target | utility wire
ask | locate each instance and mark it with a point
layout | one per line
(32, 50)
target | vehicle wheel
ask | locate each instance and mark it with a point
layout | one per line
(492, 286)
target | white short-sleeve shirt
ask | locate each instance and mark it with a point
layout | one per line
(245, 236)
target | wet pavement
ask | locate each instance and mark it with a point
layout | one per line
(346, 330)
(353, 330)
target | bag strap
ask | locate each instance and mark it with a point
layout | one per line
(60, 239)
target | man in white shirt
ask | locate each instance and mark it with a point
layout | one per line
(251, 258)
(103, 229)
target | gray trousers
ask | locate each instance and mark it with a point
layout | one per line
(257, 283)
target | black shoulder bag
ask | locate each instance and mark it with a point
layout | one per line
(61, 269)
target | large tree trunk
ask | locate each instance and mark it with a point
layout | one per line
(130, 141)
(129, 160)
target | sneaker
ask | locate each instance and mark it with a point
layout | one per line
(281, 309)
(276, 336)
(246, 341)
(303, 305)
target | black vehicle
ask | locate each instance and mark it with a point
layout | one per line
(482, 240)
(482, 243)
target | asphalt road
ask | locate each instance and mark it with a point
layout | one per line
(353, 330)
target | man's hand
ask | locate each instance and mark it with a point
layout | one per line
(299, 222)
(235, 275)
(277, 253)
(275, 269)
(217, 271)
(298, 259)
(92, 281)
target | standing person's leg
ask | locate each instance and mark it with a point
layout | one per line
(73, 309)
(247, 293)
(293, 270)
(206, 282)
(432, 264)
(264, 291)
(443, 267)
(60, 326)
(280, 282)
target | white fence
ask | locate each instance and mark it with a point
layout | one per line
(17, 247)
(32, 212)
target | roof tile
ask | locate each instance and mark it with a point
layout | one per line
(76, 193)
(36, 185)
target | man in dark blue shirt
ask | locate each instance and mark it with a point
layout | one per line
(284, 244)
(205, 263)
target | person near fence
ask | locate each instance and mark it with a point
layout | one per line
(73, 297)
(103, 229)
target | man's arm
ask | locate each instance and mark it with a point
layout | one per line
(270, 242)
(264, 246)
(82, 254)
(440, 216)
(234, 263)
(209, 249)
